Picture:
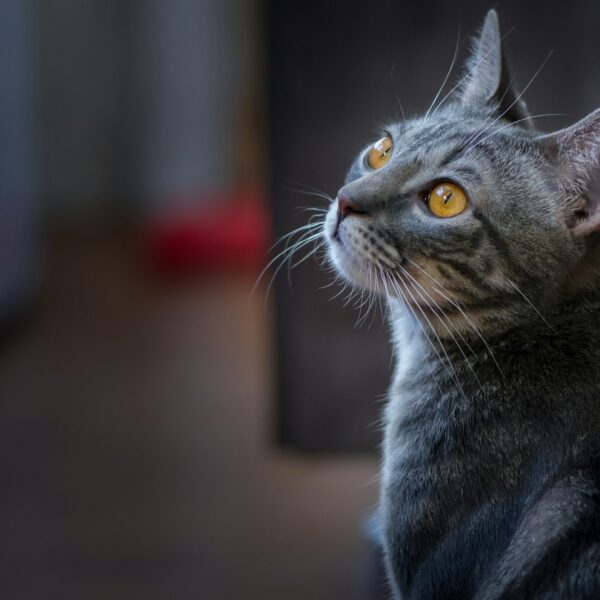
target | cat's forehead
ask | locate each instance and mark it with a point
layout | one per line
(457, 133)
(427, 133)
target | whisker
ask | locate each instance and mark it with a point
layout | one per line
(364, 291)
(463, 79)
(451, 370)
(301, 243)
(452, 90)
(305, 237)
(310, 209)
(311, 253)
(397, 287)
(478, 135)
(401, 108)
(454, 56)
(416, 285)
(346, 284)
(308, 191)
(295, 231)
(375, 296)
(512, 124)
(460, 309)
(309, 233)
(518, 289)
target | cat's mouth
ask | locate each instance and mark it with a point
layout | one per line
(360, 253)
(361, 241)
(369, 260)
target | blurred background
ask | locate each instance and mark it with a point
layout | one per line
(164, 433)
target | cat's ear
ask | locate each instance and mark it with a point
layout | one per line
(487, 81)
(576, 153)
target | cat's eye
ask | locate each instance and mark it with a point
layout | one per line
(380, 153)
(446, 200)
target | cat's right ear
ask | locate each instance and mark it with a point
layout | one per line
(487, 82)
(576, 154)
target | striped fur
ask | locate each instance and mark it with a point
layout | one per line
(491, 456)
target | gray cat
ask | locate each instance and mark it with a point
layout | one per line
(481, 233)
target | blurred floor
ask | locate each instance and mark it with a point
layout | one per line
(135, 420)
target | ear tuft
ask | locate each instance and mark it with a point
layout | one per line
(485, 65)
(576, 152)
(487, 80)
(577, 149)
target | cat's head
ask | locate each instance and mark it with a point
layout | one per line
(468, 206)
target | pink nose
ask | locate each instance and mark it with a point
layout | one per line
(346, 206)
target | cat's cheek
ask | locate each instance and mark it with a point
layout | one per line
(346, 264)
(338, 254)
(335, 257)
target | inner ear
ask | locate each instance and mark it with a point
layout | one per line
(487, 81)
(575, 153)
(584, 217)
(580, 214)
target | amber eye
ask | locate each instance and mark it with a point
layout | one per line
(380, 153)
(447, 200)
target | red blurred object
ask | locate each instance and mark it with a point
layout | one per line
(225, 232)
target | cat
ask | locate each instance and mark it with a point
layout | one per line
(482, 235)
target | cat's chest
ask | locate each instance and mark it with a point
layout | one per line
(430, 451)
(440, 480)
(467, 447)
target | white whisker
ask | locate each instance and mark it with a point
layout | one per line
(454, 56)
(518, 289)
(474, 138)
(446, 295)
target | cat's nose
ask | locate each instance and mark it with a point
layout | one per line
(347, 206)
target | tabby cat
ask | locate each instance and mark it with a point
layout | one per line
(482, 235)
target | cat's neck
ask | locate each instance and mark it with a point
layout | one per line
(535, 384)
(451, 328)
(484, 360)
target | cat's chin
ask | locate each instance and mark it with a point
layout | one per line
(353, 268)
(361, 272)
(369, 269)
(412, 291)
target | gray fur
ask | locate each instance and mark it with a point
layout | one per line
(491, 456)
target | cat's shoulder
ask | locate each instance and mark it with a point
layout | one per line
(555, 550)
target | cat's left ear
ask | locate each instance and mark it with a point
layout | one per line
(487, 81)
(576, 154)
